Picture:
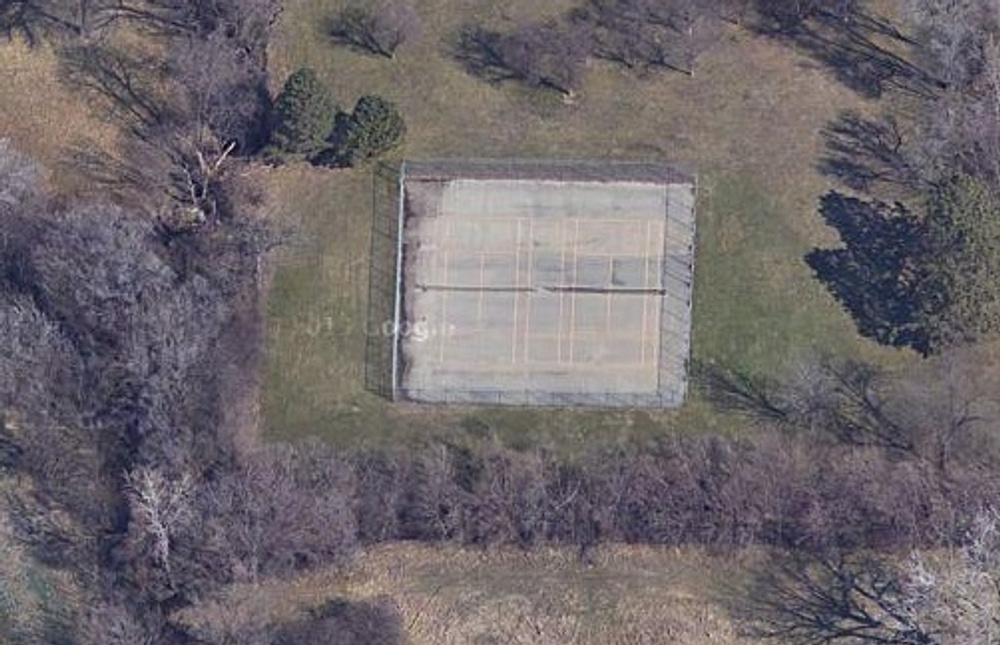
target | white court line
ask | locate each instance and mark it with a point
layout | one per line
(517, 294)
(527, 296)
(482, 283)
(595, 254)
(611, 276)
(576, 267)
(659, 249)
(443, 324)
(435, 259)
(550, 335)
(645, 285)
(586, 220)
(562, 295)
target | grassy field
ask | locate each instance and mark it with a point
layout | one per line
(453, 596)
(42, 117)
(748, 121)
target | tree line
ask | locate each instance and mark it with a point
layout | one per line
(132, 332)
(916, 268)
(123, 352)
(640, 35)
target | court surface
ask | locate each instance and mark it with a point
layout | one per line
(528, 291)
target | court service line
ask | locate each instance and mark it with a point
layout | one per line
(482, 283)
(630, 253)
(585, 333)
(517, 296)
(576, 269)
(444, 296)
(562, 296)
(611, 293)
(527, 298)
(662, 230)
(586, 220)
(645, 301)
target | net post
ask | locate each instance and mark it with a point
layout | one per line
(398, 298)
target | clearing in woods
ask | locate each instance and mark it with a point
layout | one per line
(748, 120)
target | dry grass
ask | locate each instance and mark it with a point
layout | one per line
(454, 596)
(33, 598)
(42, 116)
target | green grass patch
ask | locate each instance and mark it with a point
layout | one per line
(756, 304)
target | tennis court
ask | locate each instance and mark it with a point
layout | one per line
(520, 290)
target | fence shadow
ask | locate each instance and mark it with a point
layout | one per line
(382, 281)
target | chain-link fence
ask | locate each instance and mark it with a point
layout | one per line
(386, 365)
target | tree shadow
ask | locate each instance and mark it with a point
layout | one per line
(378, 30)
(351, 29)
(862, 49)
(739, 391)
(545, 55)
(864, 152)
(478, 50)
(119, 82)
(875, 274)
(643, 37)
(37, 23)
(121, 88)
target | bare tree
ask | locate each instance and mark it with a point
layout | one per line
(734, 11)
(238, 617)
(287, 508)
(547, 55)
(947, 403)
(187, 121)
(38, 19)
(162, 506)
(19, 176)
(113, 624)
(646, 34)
(952, 36)
(91, 20)
(379, 477)
(833, 598)
(222, 91)
(379, 28)
(369, 622)
(106, 363)
(959, 131)
(431, 503)
(943, 598)
(956, 593)
(790, 15)
(539, 54)
(189, 114)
